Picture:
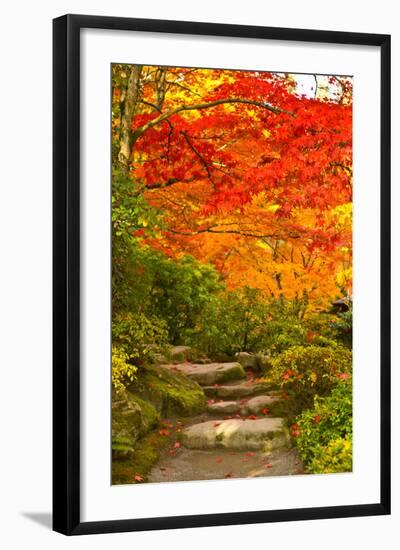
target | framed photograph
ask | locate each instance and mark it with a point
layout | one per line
(221, 274)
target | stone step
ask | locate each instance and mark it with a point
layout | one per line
(211, 373)
(264, 434)
(254, 405)
(235, 390)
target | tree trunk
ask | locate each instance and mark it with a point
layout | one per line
(129, 110)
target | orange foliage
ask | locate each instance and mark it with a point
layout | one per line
(251, 177)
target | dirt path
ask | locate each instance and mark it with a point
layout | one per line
(190, 465)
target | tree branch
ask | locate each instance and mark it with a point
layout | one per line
(243, 233)
(196, 107)
(202, 160)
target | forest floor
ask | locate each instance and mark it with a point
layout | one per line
(238, 435)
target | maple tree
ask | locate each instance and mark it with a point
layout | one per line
(248, 175)
(232, 232)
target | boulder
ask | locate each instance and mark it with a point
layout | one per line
(263, 362)
(211, 373)
(264, 434)
(159, 358)
(247, 360)
(131, 419)
(180, 354)
(171, 393)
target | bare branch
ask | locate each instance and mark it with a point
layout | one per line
(243, 233)
(183, 87)
(195, 151)
(196, 107)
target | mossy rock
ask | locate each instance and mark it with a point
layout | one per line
(179, 354)
(132, 418)
(139, 462)
(264, 364)
(182, 354)
(171, 393)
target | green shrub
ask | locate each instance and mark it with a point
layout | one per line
(324, 433)
(232, 321)
(180, 290)
(342, 327)
(305, 371)
(335, 457)
(246, 320)
(135, 333)
(122, 371)
(333, 326)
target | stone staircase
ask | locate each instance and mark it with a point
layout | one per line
(237, 413)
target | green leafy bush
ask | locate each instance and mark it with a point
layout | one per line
(136, 334)
(132, 219)
(305, 371)
(324, 433)
(342, 327)
(232, 321)
(180, 290)
(246, 320)
(122, 371)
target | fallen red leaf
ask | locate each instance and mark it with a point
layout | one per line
(138, 478)
(249, 453)
(177, 445)
(218, 460)
(164, 432)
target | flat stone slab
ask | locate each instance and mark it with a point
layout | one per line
(224, 407)
(235, 390)
(211, 373)
(254, 405)
(257, 404)
(264, 434)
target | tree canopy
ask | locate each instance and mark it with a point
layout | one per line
(240, 170)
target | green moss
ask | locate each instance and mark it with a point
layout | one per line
(150, 416)
(169, 392)
(235, 373)
(139, 462)
(132, 418)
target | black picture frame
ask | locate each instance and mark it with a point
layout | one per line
(66, 273)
